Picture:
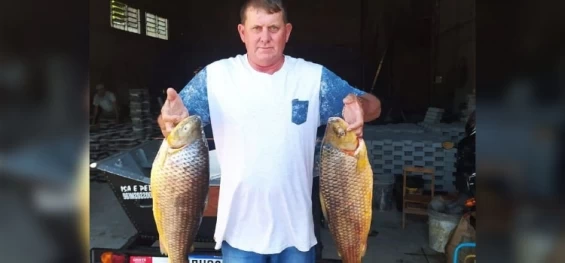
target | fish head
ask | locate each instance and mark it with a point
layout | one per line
(338, 136)
(186, 132)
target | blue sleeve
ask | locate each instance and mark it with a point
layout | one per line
(333, 90)
(195, 97)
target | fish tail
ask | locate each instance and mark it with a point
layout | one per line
(178, 259)
(352, 259)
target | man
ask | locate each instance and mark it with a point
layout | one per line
(106, 101)
(264, 108)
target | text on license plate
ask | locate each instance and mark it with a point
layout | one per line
(204, 259)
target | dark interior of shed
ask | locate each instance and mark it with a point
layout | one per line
(427, 47)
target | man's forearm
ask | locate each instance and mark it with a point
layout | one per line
(371, 107)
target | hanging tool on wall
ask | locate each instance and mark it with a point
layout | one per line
(378, 70)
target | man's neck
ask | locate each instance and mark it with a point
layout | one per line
(271, 69)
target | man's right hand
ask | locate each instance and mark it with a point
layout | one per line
(172, 113)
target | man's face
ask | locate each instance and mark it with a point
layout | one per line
(265, 36)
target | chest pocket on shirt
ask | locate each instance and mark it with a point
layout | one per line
(299, 111)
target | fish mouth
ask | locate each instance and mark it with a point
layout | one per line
(334, 119)
(338, 136)
(338, 125)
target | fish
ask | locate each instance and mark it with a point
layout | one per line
(179, 182)
(346, 189)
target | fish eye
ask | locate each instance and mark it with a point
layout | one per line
(340, 132)
(185, 128)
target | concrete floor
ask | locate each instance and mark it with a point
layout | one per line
(110, 228)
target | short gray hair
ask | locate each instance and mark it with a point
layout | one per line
(271, 6)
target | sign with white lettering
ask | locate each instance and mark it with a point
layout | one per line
(138, 259)
(191, 259)
(136, 192)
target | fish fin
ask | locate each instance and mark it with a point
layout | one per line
(363, 163)
(157, 216)
(158, 163)
(161, 154)
(161, 233)
(363, 249)
(324, 211)
(360, 146)
(162, 248)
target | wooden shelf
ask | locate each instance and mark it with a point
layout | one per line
(419, 199)
(416, 211)
(416, 199)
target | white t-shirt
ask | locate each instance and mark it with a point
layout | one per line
(264, 130)
(105, 101)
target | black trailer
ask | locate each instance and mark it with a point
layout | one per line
(128, 173)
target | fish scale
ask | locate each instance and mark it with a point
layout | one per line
(346, 187)
(179, 185)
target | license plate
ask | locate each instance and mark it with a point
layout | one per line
(204, 259)
(191, 259)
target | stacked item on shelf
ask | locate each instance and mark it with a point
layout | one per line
(102, 140)
(111, 139)
(432, 123)
(433, 115)
(105, 124)
(141, 118)
(102, 143)
(454, 131)
(155, 131)
(389, 152)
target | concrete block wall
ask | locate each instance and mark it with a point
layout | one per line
(394, 146)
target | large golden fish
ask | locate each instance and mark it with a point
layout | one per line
(179, 186)
(346, 189)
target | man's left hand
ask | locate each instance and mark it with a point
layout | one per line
(353, 114)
